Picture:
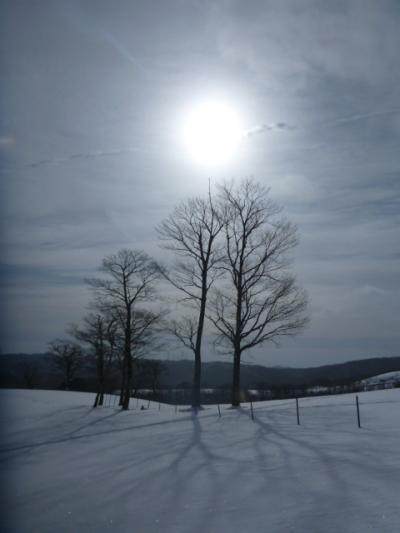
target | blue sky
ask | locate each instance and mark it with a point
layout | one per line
(90, 99)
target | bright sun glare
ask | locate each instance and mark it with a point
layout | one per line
(212, 132)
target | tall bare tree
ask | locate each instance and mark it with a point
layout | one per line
(130, 281)
(258, 299)
(191, 231)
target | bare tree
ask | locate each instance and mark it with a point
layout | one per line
(191, 232)
(99, 331)
(68, 358)
(130, 280)
(258, 300)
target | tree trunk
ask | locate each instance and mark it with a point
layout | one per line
(96, 400)
(100, 376)
(128, 383)
(127, 360)
(236, 346)
(123, 379)
(196, 394)
(196, 400)
(236, 379)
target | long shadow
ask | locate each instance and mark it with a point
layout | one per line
(332, 466)
(185, 476)
(195, 441)
(95, 434)
(94, 422)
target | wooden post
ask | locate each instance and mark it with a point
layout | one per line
(148, 404)
(176, 409)
(219, 411)
(159, 405)
(297, 412)
(358, 412)
(252, 411)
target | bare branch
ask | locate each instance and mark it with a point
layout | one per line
(192, 232)
(260, 301)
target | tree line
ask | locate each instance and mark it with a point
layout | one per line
(231, 272)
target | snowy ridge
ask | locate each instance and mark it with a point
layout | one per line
(70, 468)
(388, 377)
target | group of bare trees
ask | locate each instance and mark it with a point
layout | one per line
(233, 258)
(230, 274)
(129, 281)
(99, 331)
(119, 329)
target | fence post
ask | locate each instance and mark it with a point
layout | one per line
(297, 412)
(252, 411)
(358, 412)
(219, 411)
(148, 405)
(176, 409)
(159, 405)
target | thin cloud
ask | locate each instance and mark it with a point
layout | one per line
(273, 126)
(77, 156)
(363, 116)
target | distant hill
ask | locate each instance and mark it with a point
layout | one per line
(217, 374)
(16, 369)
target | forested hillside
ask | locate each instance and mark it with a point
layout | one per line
(35, 370)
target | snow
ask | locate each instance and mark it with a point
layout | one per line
(381, 378)
(69, 468)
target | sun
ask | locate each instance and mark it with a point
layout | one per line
(212, 132)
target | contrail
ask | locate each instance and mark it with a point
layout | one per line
(89, 26)
(83, 155)
(362, 116)
(118, 46)
(262, 128)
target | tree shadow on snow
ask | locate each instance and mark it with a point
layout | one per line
(323, 488)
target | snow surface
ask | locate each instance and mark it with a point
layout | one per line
(388, 376)
(69, 468)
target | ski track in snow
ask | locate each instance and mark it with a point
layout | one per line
(69, 468)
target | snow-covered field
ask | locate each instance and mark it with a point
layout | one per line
(68, 468)
(388, 377)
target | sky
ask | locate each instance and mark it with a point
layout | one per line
(92, 99)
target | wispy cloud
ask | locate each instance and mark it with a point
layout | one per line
(84, 155)
(363, 116)
(273, 126)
